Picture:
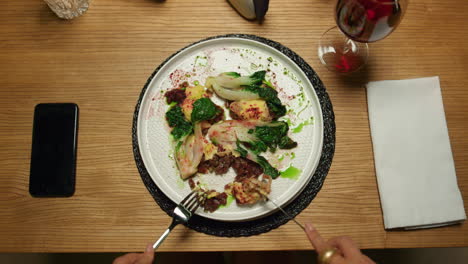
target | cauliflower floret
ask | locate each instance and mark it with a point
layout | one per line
(251, 110)
(209, 149)
(251, 190)
(192, 93)
(195, 92)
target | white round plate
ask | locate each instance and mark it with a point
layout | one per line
(209, 58)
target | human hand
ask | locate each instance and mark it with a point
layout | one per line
(347, 251)
(146, 257)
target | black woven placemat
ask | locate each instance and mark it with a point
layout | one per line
(267, 223)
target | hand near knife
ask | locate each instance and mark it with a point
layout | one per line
(338, 250)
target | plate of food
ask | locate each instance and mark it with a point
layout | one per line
(234, 119)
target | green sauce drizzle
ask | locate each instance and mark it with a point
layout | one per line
(301, 125)
(229, 201)
(291, 173)
(180, 183)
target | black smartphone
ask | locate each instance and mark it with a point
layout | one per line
(53, 154)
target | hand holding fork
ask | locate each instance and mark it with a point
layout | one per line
(181, 214)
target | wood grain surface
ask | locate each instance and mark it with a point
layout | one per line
(101, 62)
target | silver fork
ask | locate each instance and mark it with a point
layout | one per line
(182, 213)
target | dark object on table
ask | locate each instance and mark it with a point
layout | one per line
(53, 155)
(251, 9)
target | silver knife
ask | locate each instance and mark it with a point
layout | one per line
(283, 211)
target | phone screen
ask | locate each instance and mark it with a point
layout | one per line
(53, 155)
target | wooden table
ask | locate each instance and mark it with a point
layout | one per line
(101, 62)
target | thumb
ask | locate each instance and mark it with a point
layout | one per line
(148, 255)
(149, 249)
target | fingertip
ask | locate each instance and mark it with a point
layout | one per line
(149, 248)
(315, 238)
(309, 227)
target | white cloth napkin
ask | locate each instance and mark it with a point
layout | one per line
(413, 159)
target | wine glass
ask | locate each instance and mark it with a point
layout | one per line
(344, 48)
